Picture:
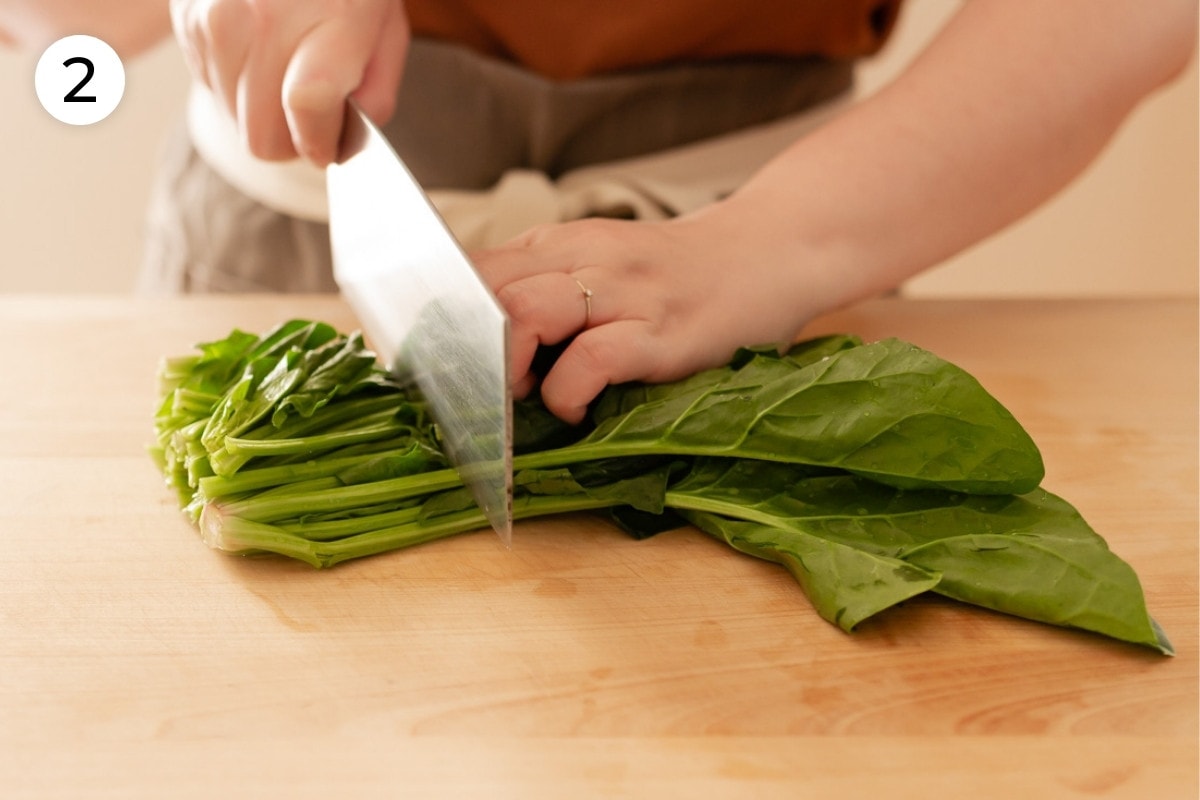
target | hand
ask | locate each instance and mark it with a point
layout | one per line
(284, 68)
(902, 181)
(668, 299)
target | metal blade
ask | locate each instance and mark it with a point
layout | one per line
(424, 309)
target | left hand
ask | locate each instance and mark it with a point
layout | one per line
(667, 299)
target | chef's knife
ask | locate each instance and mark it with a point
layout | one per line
(424, 309)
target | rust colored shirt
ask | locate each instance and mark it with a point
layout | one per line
(566, 39)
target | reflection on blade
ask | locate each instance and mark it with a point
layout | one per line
(425, 310)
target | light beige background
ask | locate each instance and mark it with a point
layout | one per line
(72, 199)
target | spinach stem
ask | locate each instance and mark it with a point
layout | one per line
(235, 534)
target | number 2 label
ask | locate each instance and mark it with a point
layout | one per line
(74, 96)
(80, 80)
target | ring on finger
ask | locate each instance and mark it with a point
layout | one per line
(587, 301)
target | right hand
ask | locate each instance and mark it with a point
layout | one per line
(284, 68)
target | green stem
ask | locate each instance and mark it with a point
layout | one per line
(598, 451)
(326, 530)
(255, 479)
(233, 534)
(323, 501)
(339, 418)
(687, 501)
(267, 509)
(310, 444)
(412, 458)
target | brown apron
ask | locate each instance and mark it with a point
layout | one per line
(501, 149)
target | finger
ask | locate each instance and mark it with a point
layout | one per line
(191, 37)
(377, 92)
(524, 385)
(553, 247)
(542, 309)
(329, 64)
(510, 262)
(610, 354)
(260, 115)
(228, 36)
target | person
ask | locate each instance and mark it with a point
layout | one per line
(1006, 106)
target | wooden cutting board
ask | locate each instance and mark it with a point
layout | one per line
(134, 662)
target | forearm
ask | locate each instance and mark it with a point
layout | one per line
(129, 26)
(1008, 104)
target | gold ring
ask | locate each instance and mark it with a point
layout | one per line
(587, 301)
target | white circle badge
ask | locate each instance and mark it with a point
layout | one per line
(79, 79)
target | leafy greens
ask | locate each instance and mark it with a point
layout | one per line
(873, 472)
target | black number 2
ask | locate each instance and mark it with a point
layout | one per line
(74, 96)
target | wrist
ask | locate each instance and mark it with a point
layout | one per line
(778, 272)
(808, 254)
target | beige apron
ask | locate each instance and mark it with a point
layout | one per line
(501, 149)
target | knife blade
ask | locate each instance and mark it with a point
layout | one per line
(424, 309)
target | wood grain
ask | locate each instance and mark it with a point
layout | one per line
(136, 663)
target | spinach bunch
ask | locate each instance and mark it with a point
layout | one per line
(872, 472)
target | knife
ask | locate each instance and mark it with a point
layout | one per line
(424, 309)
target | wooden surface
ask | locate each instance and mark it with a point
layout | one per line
(134, 662)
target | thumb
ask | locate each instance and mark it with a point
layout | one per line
(331, 63)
